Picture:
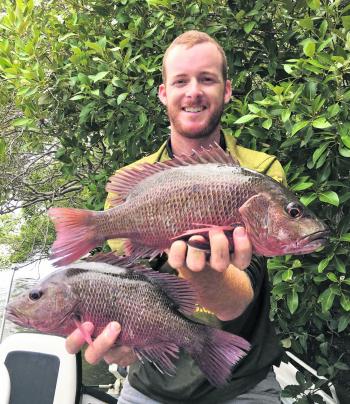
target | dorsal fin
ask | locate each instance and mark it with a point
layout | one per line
(179, 290)
(123, 182)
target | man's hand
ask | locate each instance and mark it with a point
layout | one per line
(221, 284)
(103, 347)
(180, 254)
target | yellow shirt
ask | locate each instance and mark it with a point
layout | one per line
(258, 161)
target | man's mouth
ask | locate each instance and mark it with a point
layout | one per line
(194, 109)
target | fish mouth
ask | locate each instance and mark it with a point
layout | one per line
(314, 240)
(16, 317)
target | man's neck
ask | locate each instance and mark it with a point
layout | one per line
(183, 145)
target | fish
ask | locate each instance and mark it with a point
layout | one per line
(156, 204)
(152, 308)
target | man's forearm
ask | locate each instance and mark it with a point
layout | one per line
(227, 294)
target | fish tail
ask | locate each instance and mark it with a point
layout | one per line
(218, 354)
(77, 234)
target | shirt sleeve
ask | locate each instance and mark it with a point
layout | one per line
(255, 271)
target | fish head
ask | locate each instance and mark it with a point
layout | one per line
(50, 306)
(279, 224)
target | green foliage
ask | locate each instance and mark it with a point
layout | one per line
(82, 78)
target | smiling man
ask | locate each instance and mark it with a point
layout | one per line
(233, 289)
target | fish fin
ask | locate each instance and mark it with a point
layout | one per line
(126, 180)
(178, 290)
(111, 258)
(136, 251)
(76, 234)
(219, 353)
(161, 355)
(85, 334)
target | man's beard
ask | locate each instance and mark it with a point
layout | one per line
(213, 123)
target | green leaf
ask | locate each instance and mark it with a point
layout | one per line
(333, 110)
(249, 26)
(285, 115)
(245, 118)
(345, 302)
(254, 108)
(326, 299)
(306, 23)
(313, 4)
(309, 47)
(121, 97)
(343, 322)
(77, 97)
(346, 140)
(22, 122)
(321, 123)
(287, 275)
(307, 199)
(292, 301)
(324, 264)
(344, 151)
(346, 22)
(340, 266)
(267, 123)
(345, 237)
(109, 90)
(318, 152)
(298, 126)
(95, 46)
(99, 76)
(332, 277)
(301, 186)
(329, 197)
(2, 149)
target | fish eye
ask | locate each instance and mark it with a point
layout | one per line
(35, 295)
(294, 210)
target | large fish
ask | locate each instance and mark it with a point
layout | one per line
(150, 306)
(159, 203)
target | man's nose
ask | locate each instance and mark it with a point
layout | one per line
(193, 89)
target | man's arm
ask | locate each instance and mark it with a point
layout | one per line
(222, 285)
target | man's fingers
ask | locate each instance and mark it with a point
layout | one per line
(242, 248)
(177, 254)
(219, 249)
(76, 340)
(195, 259)
(103, 343)
(123, 356)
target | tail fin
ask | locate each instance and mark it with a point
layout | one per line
(76, 234)
(220, 351)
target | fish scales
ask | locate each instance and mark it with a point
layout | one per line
(157, 204)
(121, 298)
(148, 305)
(150, 214)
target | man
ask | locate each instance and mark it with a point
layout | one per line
(232, 288)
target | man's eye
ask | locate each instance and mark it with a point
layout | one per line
(179, 82)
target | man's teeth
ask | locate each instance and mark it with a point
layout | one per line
(194, 109)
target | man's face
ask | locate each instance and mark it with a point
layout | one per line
(194, 92)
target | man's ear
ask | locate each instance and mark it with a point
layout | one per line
(228, 91)
(162, 94)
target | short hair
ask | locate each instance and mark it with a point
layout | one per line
(191, 38)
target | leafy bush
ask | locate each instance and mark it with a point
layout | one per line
(80, 79)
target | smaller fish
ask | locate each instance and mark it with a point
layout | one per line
(151, 307)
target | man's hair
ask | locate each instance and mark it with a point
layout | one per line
(191, 38)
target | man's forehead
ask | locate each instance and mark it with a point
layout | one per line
(203, 57)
